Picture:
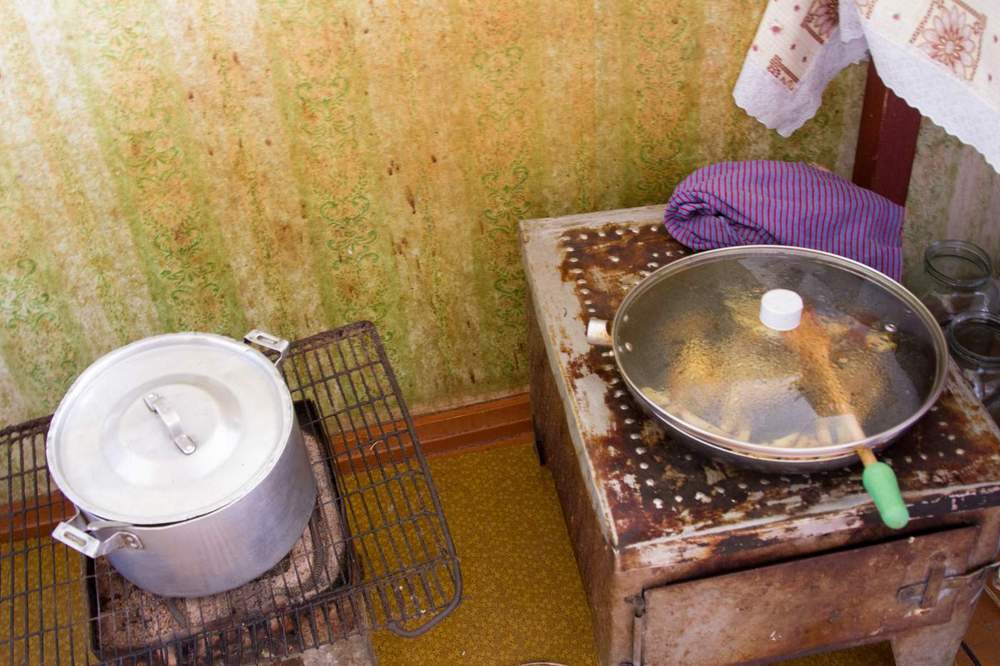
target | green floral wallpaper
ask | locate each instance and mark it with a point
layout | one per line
(298, 165)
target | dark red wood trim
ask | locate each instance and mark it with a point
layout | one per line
(887, 141)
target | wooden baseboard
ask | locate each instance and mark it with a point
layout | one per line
(473, 427)
(459, 430)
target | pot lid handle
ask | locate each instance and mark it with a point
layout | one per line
(172, 420)
(781, 309)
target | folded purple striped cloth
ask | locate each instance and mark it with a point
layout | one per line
(786, 203)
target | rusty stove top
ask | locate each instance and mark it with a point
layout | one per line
(649, 488)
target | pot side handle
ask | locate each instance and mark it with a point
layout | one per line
(268, 341)
(76, 533)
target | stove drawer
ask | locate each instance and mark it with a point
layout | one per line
(803, 605)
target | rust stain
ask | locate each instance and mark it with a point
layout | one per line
(411, 199)
(656, 486)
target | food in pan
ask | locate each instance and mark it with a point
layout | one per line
(812, 386)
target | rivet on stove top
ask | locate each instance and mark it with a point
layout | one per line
(960, 452)
(584, 291)
(923, 456)
(653, 264)
(592, 310)
(607, 354)
(601, 234)
(614, 259)
(742, 486)
(588, 302)
(613, 381)
(640, 450)
(644, 273)
(565, 238)
(644, 465)
(625, 318)
(951, 438)
(581, 281)
(634, 230)
(687, 456)
(573, 260)
(678, 498)
(608, 368)
(576, 271)
(656, 254)
(654, 227)
(635, 436)
(584, 236)
(657, 502)
(628, 346)
(619, 232)
(650, 482)
(623, 407)
(908, 459)
(618, 394)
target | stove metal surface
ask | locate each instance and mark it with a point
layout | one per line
(649, 487)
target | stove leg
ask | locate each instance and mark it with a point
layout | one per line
(546, 406)
(936, 645)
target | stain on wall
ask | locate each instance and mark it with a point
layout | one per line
(294, 166)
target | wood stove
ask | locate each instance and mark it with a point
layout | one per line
(687, 560)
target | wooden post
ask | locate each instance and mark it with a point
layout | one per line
(887, 141)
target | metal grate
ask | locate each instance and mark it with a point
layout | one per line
(377, 552)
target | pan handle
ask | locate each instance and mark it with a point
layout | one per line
(598, 333)
(880, 482)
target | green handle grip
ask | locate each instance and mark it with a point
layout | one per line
(880, 482)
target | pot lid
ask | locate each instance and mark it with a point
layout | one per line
(169, 428)
(779, 347)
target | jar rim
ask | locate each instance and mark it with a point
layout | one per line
(961, 351)
(962, 249)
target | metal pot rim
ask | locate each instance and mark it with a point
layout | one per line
(763, 450)
(80, 384)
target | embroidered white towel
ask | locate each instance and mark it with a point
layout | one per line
(941, 56)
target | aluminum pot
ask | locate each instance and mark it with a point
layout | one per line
(184, 459)
(822, 359)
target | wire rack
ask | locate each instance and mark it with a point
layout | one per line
(377, 552)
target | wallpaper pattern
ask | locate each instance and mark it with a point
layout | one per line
(296, 165)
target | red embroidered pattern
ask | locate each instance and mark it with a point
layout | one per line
(779, 71)
(951, 33)
(822, 19)
(866, 7)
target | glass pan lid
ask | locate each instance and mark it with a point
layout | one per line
(857, 361)
(114, 455)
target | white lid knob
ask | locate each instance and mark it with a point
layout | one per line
(781, 309)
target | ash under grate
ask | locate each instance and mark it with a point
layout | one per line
(377, 552)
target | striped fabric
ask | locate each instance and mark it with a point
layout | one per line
(785, 203)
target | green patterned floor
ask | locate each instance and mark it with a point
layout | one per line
(523, 598)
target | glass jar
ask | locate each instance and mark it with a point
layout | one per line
(974, 342)
(958, 277)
